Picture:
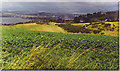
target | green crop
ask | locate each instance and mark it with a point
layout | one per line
(61, 51)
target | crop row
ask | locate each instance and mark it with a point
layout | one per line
(17, 41)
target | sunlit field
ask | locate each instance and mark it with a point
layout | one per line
(27, 48)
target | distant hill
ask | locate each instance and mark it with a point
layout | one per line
(64, 16)
(98, 16)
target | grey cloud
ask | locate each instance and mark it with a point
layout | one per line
(61, 0)
(62, 7)
(0, 6)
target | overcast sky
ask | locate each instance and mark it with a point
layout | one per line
(60, 0)
(67, 6)
(62, 7)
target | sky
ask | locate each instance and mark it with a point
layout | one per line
(60, 0)
(61, 6)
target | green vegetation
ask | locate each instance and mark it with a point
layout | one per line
(74, 29)
(100, 28)
(98, 16)
(35, 45)
(37, 27)
(25, 49)
(93, 27)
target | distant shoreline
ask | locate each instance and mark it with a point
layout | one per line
(13, 20)
(16, 23)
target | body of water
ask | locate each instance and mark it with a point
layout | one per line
(12, 20)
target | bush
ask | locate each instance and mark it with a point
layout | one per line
(102, 33)
(87, 25)
(107, 25)
(101, 29)
(42, 23)
(112, 29)
(96, 31)
(102, 22)
(74, 29)
(94, 26)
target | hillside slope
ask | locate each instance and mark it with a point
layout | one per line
(37, 27)
(26, 49)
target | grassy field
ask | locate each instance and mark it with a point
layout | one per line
(79, 24)
(97, 28)
(115, 23)
(38, 27)
(23, 48)
(76, 28)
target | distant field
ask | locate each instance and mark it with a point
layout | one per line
(27, 49)
(77, 24)
(53, 27)
(37, 27)
(115, 23)
(99, 28)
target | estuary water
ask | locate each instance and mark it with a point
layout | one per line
(12, 20)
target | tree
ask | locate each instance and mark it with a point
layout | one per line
(76, 20)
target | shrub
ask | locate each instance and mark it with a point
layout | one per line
(96, 31)
(42, 23)
(94, 26)
(112, 29)
(102, 33)
(101, 29)
(107, 25)
(87, 25)
(102, 22)
(74, 29)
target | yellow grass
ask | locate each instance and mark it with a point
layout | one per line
(53, 23)
(38, 27)
(111, 33)
(115, 23)
(77, 24)
(54, 28)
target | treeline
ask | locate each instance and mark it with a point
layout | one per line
(111, 16)
(98, 16)
(89, 17)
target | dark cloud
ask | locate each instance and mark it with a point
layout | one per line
(62, 7)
